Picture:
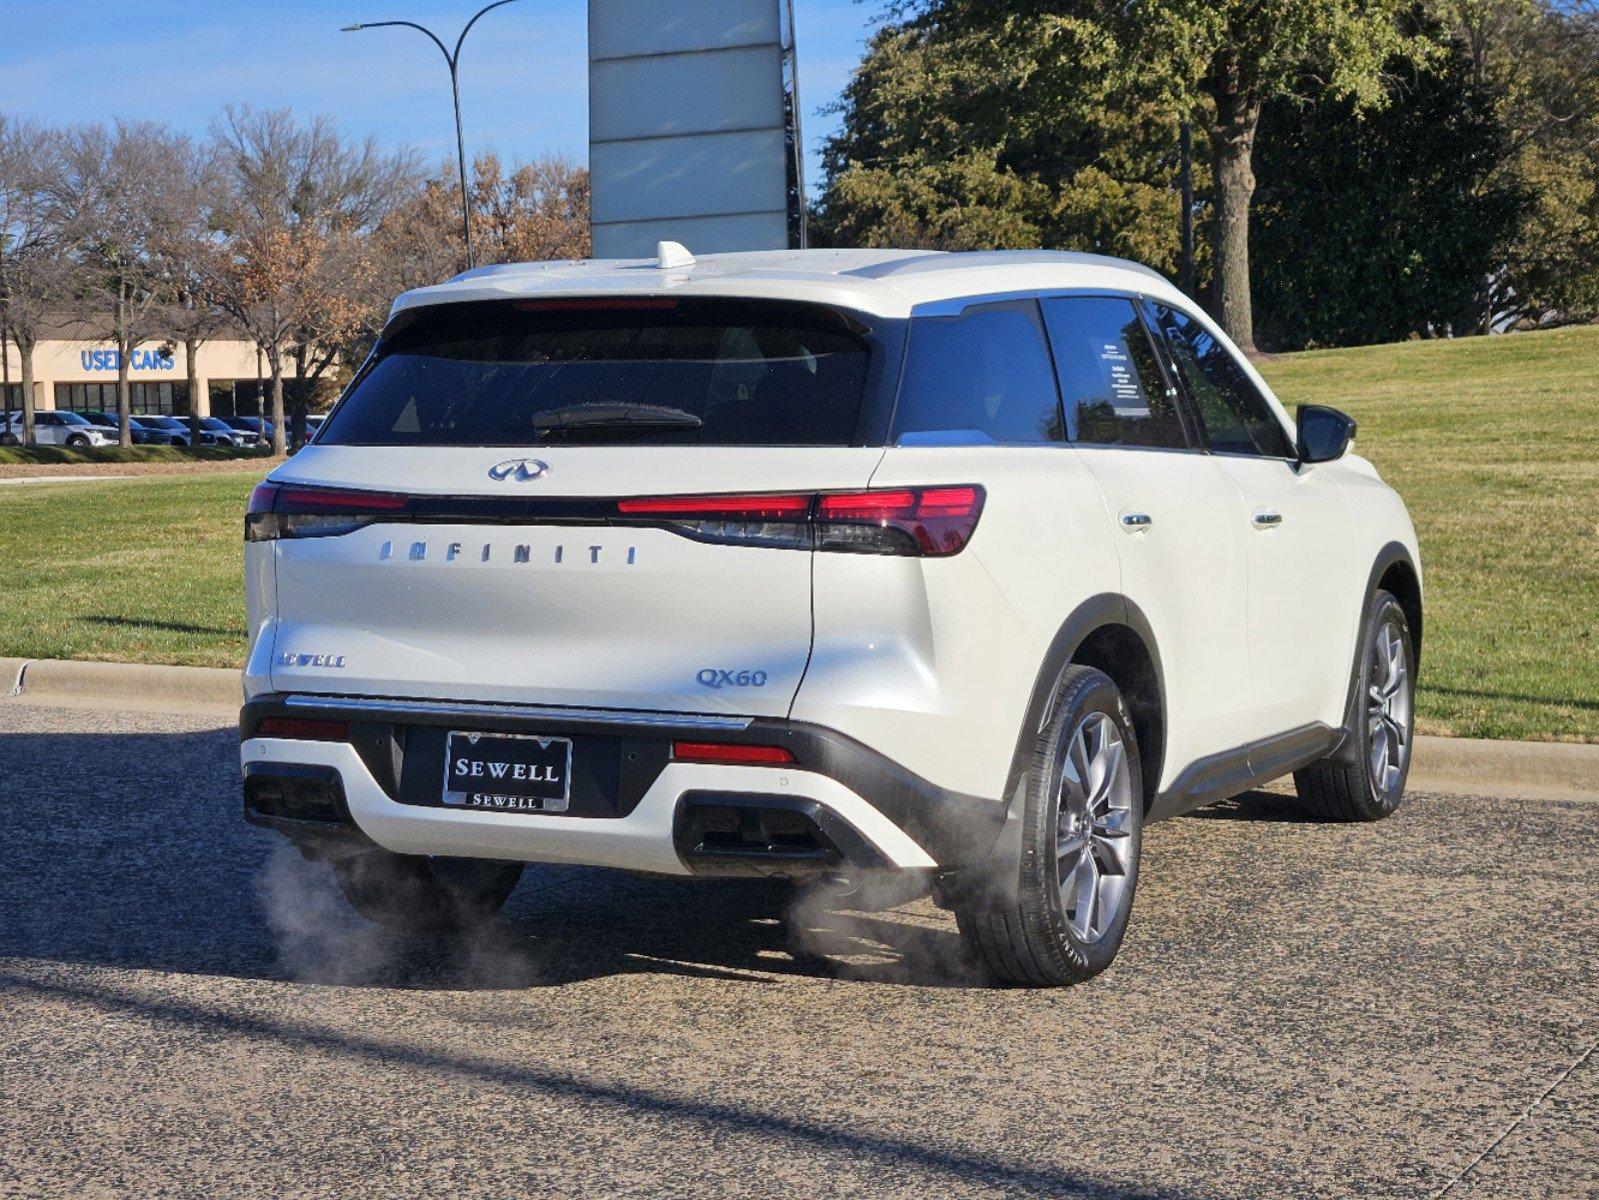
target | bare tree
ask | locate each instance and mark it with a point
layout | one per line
(128, 188)
(185, 257)
(34, 281)
(298, 203)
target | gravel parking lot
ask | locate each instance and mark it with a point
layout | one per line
(1407, 1009)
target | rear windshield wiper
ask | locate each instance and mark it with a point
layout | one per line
(614, 415)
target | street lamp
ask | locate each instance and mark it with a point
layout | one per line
(453, 58)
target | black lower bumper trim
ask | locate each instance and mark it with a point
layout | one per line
(304, 801)
(954, 828)
(753, 833)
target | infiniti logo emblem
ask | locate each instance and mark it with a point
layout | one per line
(520, 469)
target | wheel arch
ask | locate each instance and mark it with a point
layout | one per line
(1393, 571)
(1396, 573)
(1111, 634)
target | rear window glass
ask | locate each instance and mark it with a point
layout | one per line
(628, 372)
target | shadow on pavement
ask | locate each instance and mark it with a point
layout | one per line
(129, 850)
(724, 1118)
(1257, 806)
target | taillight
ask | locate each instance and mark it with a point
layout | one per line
(291, 510)
(918, 521)
(732, 753)
(924, 521)
(779, 522)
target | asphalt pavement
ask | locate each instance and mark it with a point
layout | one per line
(188, 1009)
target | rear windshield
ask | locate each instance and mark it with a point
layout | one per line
(611, 372)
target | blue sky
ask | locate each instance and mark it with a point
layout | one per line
(523, 71)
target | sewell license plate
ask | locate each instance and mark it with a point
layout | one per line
(508, 772)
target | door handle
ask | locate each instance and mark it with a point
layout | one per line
(1268, 519)
(1134, 521)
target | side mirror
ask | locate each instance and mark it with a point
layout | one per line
(1324, 433)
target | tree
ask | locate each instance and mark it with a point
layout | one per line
(1385, 227)
(126, 191)
(534, 212)
(1225, 60)
(1540, 60)
(1084, 97)
(184, 252)
(34, 279)
(296, 205)
(977, 125)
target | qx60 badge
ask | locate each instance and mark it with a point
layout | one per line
(519, 470)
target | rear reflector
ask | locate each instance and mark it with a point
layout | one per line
(740, 754)
(303, 729)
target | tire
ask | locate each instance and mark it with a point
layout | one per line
(1365, 779)
(77, 441)
(1023, 926)
(423, 895)
(10, 439)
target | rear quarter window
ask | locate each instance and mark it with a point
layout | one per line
(706, 372)
(981, 378)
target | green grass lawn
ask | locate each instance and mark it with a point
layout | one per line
(148, 569)
(1493, 442)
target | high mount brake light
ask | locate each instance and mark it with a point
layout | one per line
(594, 304)
(291, 510)
(915, 521)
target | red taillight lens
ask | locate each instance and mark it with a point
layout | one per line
(724, 508)
(735, 753)
(303, 729)
(294, 498)
(931, 521)
(292, 510)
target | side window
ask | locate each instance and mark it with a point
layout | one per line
(981, 378)
(1114, 392)
(1237, 418)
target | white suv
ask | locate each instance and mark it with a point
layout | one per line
(52, 428)
(958, 568)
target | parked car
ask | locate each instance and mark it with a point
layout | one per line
(57, 428)
(226, 434)
(932, 571)
(212, 431)
(259, 426)
(139, 428)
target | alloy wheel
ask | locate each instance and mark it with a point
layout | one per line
(1388, 710)
(1093, 842)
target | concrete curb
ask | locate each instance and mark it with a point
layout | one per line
(1535, 770)
(125, 686)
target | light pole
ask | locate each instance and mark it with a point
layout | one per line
(453, 59)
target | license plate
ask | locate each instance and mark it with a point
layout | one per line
(508, 772)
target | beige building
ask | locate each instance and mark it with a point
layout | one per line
(74, 369)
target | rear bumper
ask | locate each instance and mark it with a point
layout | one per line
(840, 806)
